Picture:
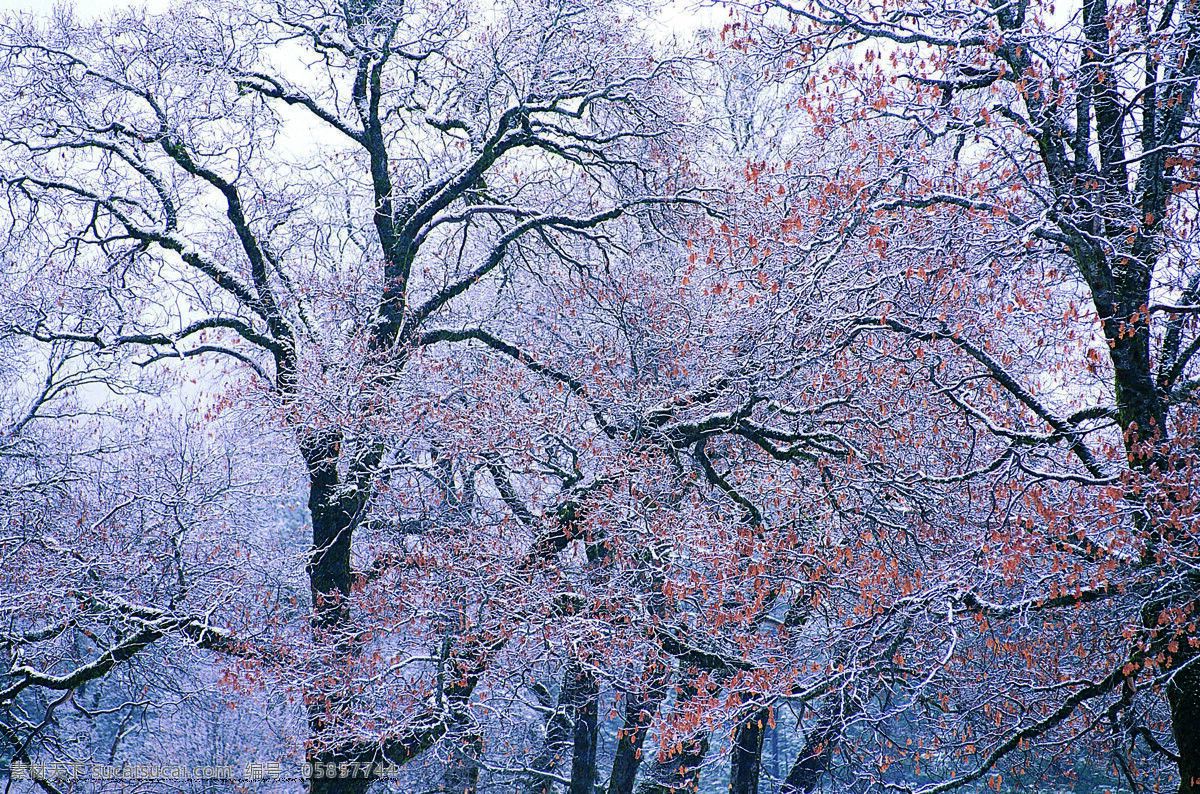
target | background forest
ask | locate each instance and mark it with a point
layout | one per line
(573, 396)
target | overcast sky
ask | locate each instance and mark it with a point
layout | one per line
(694, 17)
(86, 8)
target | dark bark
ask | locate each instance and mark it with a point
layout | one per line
(334, 773)
(746, 755)
(1183, 695)
(329, 574)
(586, 705)
(640, 709)
(330, 580)
(339, 786)
(813, 761)
(572, 727)
(1115, 231)
(679, 771)
(676, 770)
(462, 771)
(1120, 283)
(559, 733)
(1182, 690)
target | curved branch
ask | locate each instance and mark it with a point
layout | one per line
(528, 361)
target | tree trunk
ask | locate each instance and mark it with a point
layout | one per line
(814, 758)
(333, 519)
(585, 700)
(332, 774)
(679, 773)
(746, 756)
(338, 786)
(639, 712)
(1183, 694)
(462, 771)
(1183, 697)
(559, 733)
(330, 580)
(574, 724)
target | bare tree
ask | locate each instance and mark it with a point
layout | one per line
(311, 196)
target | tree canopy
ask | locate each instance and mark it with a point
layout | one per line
(574, 396)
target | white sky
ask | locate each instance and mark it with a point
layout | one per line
(677, 17)
(84, 8)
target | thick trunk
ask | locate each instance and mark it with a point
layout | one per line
(333, 518)
(572, 727)
(676, 770)
(559, 733)
(1183, 697)
(330, 579)
(583, 761)
(339, 786)
(1140, 409)
(334, 773)
(814, 758)
(1183, 694)
(1142, 416)
(746, 756)
(639, 712)
(679, 772)
(462, 771)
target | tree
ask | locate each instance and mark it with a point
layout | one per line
(625, 442)
(641, 508)
(322, 236)
(499, 204)
(101, 506)
(1054, 364)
